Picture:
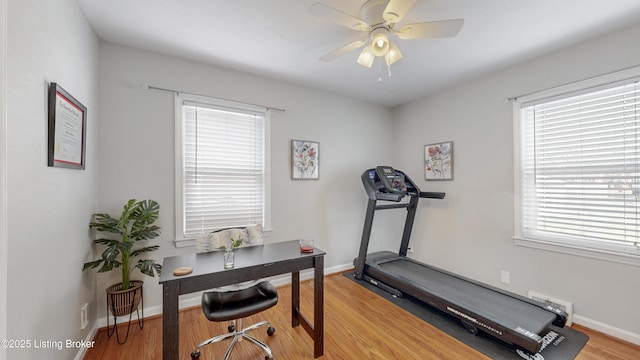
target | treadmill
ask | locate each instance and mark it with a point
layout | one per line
(512, 318)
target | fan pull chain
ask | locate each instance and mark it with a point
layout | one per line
(380, 70)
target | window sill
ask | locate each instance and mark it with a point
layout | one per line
(576, 250)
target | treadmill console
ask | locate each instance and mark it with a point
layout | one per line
(392, 180)
(387, 183)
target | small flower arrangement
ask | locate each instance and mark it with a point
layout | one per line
(234, 243)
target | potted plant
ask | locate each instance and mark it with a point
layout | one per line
(134, 225)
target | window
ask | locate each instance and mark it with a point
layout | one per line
(222, 167)
(578, 169)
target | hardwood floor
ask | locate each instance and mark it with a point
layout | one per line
(358, 325)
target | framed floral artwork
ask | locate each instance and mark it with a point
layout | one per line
(305, 163)
(438, 161)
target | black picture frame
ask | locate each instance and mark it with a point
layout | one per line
(67, 129)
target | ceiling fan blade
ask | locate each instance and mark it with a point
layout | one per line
(432, 29)
(334, 15)
(342, 50)
(396, 10)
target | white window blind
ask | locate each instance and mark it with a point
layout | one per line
(580, 168)
(223, 167)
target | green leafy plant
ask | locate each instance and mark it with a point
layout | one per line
(135, 224)
(235, 243)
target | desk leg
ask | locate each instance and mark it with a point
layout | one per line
(170, 325)
(295, 298)
(318, 307)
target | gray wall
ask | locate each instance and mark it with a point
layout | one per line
(3, 172)
(470, 231)
(136, 152)
(48, 208)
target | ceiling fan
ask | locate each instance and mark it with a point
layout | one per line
(378, 19)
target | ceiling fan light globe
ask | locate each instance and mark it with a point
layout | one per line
(393, 55)
(366, 57)
(390, 60)
(380, 44)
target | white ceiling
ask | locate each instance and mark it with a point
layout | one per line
(279, 39)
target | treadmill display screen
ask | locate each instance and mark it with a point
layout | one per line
(393, 181)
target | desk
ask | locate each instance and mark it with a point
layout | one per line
(251, 263)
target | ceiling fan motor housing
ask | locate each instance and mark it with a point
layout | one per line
(371, 12)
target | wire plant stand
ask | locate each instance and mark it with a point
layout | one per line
(124, 302)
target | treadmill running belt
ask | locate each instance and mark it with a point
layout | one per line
(508, 311)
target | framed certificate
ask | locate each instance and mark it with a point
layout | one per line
(67, 129)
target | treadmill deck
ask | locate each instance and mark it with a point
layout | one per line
(509, 311)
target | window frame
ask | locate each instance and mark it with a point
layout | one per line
(567, 245)
(179, 98)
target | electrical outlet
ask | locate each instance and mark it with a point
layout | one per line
(84, 316)
(505, 277)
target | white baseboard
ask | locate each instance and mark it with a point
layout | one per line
(90, 336)
(607, 329)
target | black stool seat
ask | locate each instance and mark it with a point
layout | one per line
(230, 305)
(233, 305)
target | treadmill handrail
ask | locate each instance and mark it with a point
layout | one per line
(432, 195)
(392, 206)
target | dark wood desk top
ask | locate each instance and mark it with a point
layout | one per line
(248, 259)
